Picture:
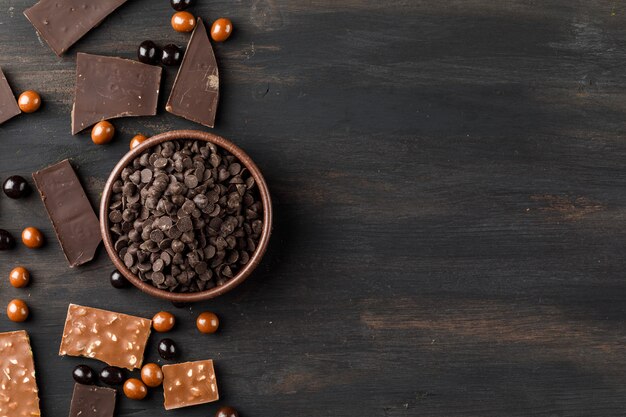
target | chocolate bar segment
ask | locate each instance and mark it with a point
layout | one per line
(63, 22)
(109, 87)
(75, 223)
(113, 338)
(196, 89)
(19, 396)
(92, 401)
(189, 383)
(8, 104)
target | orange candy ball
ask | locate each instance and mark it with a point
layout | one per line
(29, 101)
(207, 322)
(137, 140)
(221, 29)
(32, 237)
(17, 311)
(102, 132)
(135, 389)
(152, 375)
(19, 277)
(163, 321)
(183, 22)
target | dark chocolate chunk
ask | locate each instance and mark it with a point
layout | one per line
(92, 401)
(195, 94)
(74, 221)
(8, 104)
(109, 87)
(63, 22)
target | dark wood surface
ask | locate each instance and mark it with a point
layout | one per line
(449, 186)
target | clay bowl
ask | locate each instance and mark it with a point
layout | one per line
(255, 259)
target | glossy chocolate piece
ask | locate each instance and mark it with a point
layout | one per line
(19, 396)
(92, 401)
(109, 87)
(75, 223)
(8, 104)
(195, 94)
(189, 383)
(113, 338)
(63, 22)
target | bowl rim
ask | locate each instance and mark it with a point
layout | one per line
(243, 157)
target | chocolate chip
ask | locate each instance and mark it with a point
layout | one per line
(185, 216)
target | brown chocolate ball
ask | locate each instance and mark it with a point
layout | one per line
(17, 311)
(32, 237)
(163, 321)
(29, 101)
(137, 140)
(152, 375)
(102, 132)
(207, 322)
(135, 389)
(19, 277)
(183, 22)
(221, 29)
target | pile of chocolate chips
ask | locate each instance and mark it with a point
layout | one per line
(185, 216)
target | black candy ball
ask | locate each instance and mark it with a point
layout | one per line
(112, 375)
(118, 280)
(180, 5)
(171, 55)
(84, 375)
(167, 349)
(148, 53)
(7, 241)
(15, 187)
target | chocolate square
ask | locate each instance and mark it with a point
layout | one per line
(92, 401)
(8, 104)
(189, 383)
(19, 396)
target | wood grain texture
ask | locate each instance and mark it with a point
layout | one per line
(448, 183)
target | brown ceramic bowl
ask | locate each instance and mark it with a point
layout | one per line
(255, 259)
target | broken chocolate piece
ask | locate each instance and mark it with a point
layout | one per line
(63, 22)
(19, 396)
(92, 401)
(8, 104)
(75, 223)
(189, 383)
(113, 338)
(196, 89)
(109, 87)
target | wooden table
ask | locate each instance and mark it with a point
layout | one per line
(448, 180)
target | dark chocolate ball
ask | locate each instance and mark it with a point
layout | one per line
(112, 375)
(118, 280)
(171, 55)
(7, 241)
(179, 5)
(84, 375)
(15, 187)
(226, 412)
(148, 53)
(167, 349)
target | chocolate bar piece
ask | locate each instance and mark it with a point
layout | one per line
(92, 401)
(196, 89)
(8, 104)
(75, 223)
(63, 22)
(113, 338)
(109, 87)
(189, 383)
(19, 396)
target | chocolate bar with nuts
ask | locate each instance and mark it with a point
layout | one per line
(113, 338)
(19, 396)
(189, 383)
